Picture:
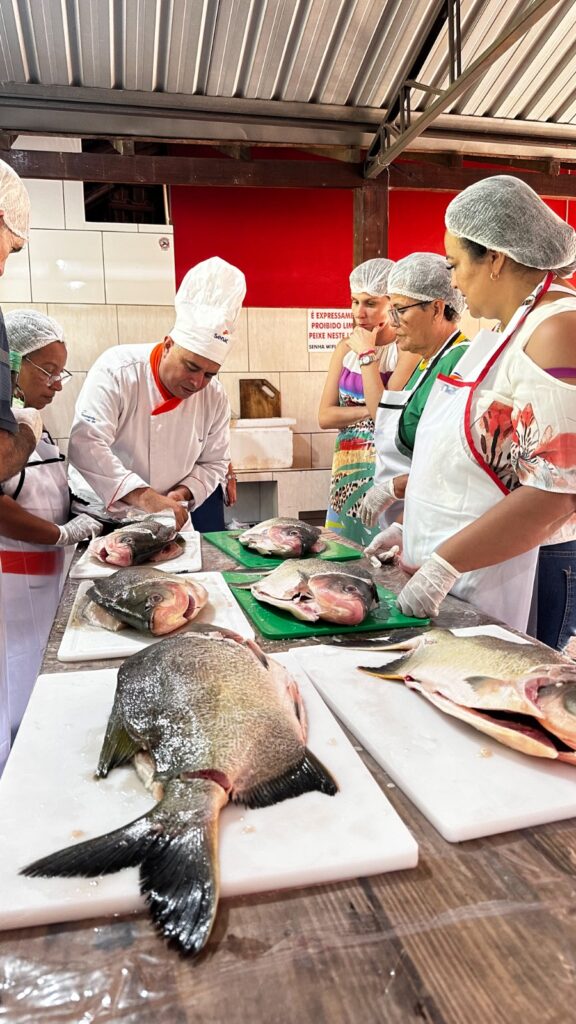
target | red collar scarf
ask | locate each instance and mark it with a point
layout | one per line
(170, 401)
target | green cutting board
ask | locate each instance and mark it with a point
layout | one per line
(227, 541)
(276, 624)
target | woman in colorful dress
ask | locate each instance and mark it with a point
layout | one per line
(360, 367)
(493, 472)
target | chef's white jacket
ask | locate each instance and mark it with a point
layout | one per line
(116, 445)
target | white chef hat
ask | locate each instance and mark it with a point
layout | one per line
(208, 304)
(371, 277)
(503, 213)
(14, 201)
(28, 330)
(425, 276)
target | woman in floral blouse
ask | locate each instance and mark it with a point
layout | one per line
(494, 469)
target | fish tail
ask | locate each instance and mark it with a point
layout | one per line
(308, 776)
(175, 845)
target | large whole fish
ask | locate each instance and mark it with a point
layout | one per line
(284, 538)
(147, 599)
(312, 590)
(152, 539)
(523, 695)
(210, 719)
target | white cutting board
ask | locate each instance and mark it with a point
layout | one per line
(90, 568)
(465, 783)
(83, 642)
(49, 798)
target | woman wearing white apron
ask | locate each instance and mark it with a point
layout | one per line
(33, 508)
(494, 470)
(424, 310)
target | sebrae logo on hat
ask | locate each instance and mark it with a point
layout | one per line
(221, 337)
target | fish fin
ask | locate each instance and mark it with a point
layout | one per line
(178, 862)
(393, 670)
(319, 545)
(122, 848)
(118, 746)
(306, 777)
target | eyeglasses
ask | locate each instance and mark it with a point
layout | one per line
(395, 313)
(53, 378)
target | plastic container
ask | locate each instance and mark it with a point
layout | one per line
(258, 444)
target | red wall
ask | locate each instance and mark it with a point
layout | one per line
(295, 246)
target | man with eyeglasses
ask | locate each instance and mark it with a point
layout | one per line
(35, 523)
(152, 424)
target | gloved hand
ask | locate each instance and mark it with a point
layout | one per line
(32, 418)
(424, 593)
(386, 546)
(81, 528)
(376, 501)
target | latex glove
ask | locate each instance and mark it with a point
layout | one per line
(31, 418)
(376, 501)
(81, 528)
(424, 593)
(386, 546)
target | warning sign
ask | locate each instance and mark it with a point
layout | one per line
(326, 327)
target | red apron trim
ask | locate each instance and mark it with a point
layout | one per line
(31, 563)
(490, 363)
(455, 382)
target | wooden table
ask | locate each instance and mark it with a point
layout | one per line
(483, 931)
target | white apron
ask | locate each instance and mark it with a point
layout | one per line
(450, 486)
(390, 460)
(4, 713)
(32, 574)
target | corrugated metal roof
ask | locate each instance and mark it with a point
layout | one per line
(68, 64)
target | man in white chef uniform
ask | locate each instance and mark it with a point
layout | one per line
(152, 423)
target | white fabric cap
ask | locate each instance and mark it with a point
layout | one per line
(371, 277)
(29, 330)
(425, 276)
(208, 305)
(503, 213)
(14, 201)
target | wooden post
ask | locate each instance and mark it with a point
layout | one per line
(370, 222)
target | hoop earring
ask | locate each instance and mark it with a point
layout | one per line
(494, 277)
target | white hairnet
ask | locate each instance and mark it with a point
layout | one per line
(425, 276)
(371, 277)
(29, 330)
(505, 214)
(208, 304)
(14, 201)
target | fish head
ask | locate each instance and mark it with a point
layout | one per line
(343, 599)
(118, 549)
(280, 538)
(163, 605)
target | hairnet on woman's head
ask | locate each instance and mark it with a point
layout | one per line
(371, 277)
(29, 330)
(425, 276)
(14, 201)
(503, 213)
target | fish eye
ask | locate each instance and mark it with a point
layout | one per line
(154, 599)
(350, 588)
